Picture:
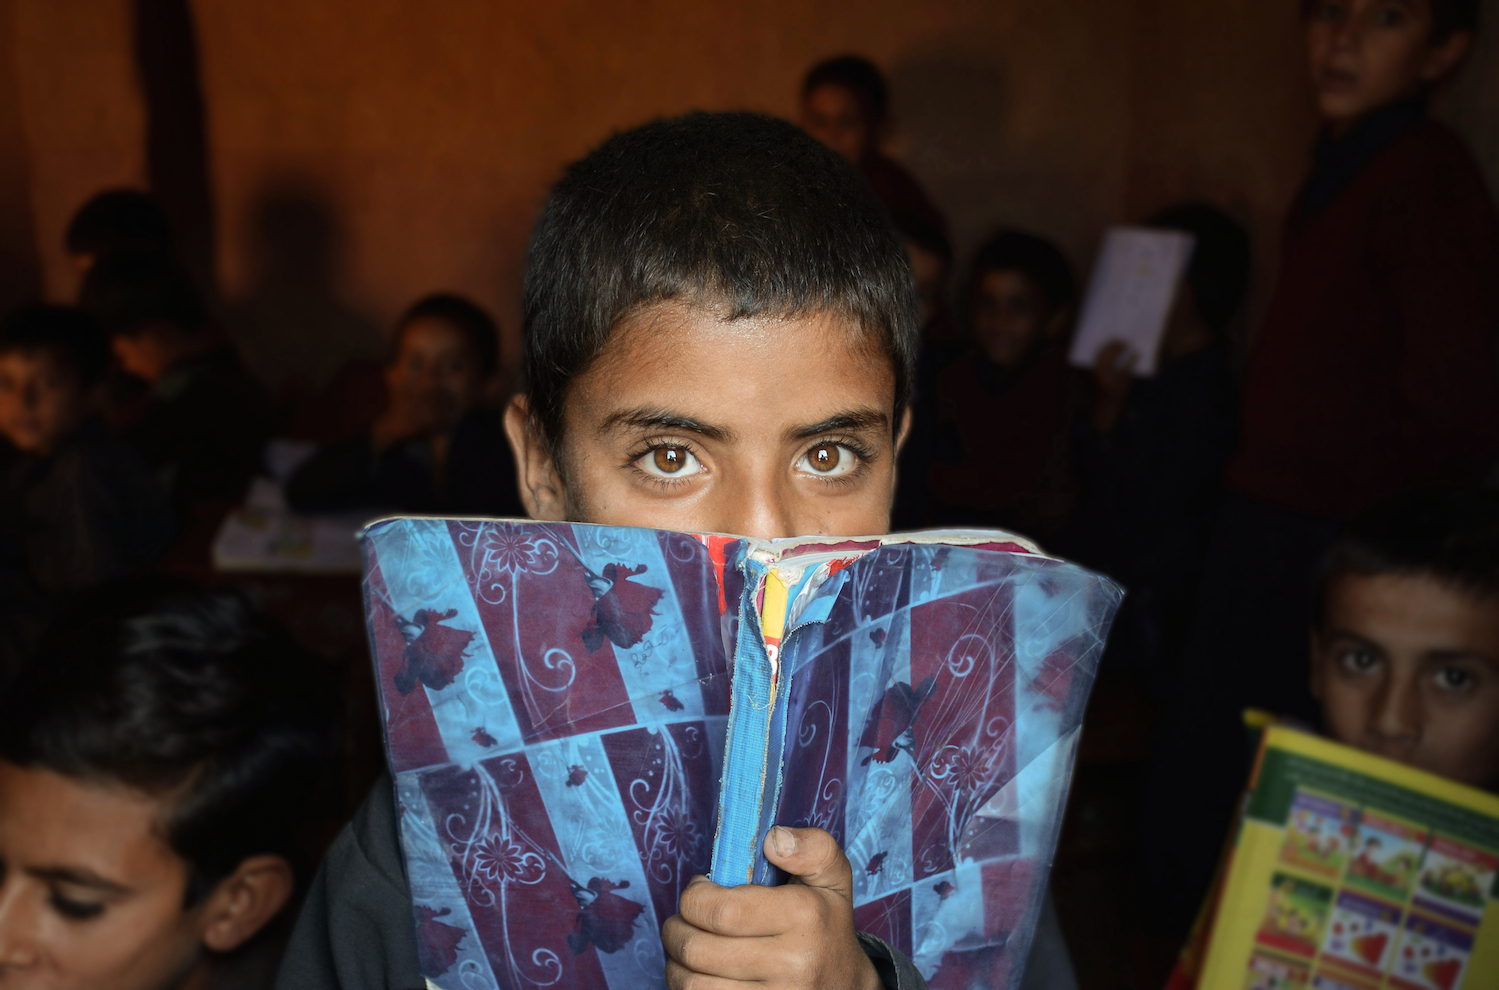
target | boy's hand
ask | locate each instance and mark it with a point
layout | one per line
(1113, 377)
(800, 935)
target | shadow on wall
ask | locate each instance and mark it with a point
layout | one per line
(952, 111)
(292, 328)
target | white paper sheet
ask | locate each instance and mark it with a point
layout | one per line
(1130, 295)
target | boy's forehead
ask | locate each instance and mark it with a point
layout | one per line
(688, 357)
(1414, 609)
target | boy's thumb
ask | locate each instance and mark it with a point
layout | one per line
(812, 857)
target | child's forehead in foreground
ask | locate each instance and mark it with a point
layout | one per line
(753, 374)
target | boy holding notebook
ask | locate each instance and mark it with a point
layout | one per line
(720, 332)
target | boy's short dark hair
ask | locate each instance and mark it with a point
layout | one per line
(70, 335)
(734, 210)
(856, 74)
(1447, 17)
(1218, 271)
(127, 289)
(119, 218)
(1034, 257)
(1444, 532)
(924, 232)
(190, 695)
(464, 315)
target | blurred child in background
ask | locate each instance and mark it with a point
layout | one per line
(846, 106)
(436, 447)
(1000, 450)
(206, 420)
(159, 762)
(77, 507)
(1374, 371)
(114, 220)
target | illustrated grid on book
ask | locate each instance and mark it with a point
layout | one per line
(558, 701)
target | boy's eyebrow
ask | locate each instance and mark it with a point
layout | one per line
(1449, 655)
(848, 422)
(78, 877)
(660, 419)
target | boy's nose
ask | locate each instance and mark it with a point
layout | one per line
(17, 945)
(760, 513)
(1396, 716)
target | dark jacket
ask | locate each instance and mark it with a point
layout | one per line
(1375, 368)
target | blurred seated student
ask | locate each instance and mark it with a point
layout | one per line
(159, 762)
(79, 506)
(115, 220)
(435, 448)
(206, 420)
(1000, 451)
(1150, 452)
(846, 106)
(1405, 640)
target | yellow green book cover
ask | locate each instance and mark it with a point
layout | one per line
(1353, 872)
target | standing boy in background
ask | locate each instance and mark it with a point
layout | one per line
(846, 106)
(1374, 371)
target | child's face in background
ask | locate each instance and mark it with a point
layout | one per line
(760, 427)
(41, 400)
(1408, 668)
(435, 372)
(90, 895)
(1367, 54)
(1010, 316)
(836, 116)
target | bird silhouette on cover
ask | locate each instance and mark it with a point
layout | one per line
(436, 942)
(434, 655)
(622, 609)
(890, 729)
(605, 919)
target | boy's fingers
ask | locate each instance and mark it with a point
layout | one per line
(740, 912)
(812, 856)
(679, 977)
(708, 954)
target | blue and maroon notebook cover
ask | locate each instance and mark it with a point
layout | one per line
(581, 718)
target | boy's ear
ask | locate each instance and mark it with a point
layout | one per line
(541, 489)
(245, 901)
(1443, 58)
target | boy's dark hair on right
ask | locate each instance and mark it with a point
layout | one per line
(1447, 17)
(70, 335)
(185, 694)
(738, 212)
(1445, 532)
(1218, 271)
(464, 315)
(856, 74)
(925, 233)
(119, 218)
(1034, 257)
(127, 289)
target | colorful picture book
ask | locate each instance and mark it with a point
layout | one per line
(581, 718)
(1352, 872)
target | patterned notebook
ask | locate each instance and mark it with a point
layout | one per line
(580, 718)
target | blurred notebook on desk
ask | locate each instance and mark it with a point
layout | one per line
(580, 718)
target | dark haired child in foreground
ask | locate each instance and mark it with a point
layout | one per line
(846, 105)
(720, 330)
(157, 762)
(1000, 451)
(206, 420)
(77, 507)
(434, 448)
(117, 220)
(1374, 371)
(1405, 639)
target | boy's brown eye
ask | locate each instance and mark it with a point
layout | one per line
(824, 457)
(670, 460)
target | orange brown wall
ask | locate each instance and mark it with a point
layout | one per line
(363, 152)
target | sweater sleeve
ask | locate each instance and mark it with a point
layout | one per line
(1436, 248)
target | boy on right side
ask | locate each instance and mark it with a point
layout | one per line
(1374, 372)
